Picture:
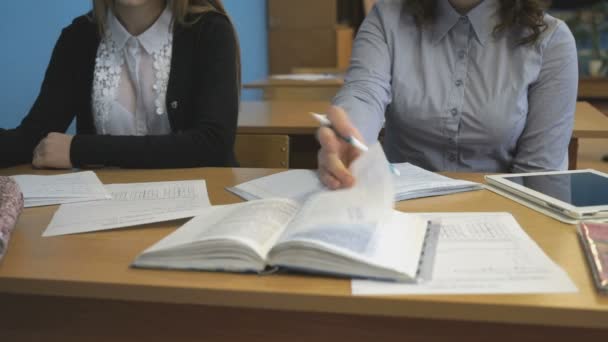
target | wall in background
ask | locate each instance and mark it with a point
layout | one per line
(30, 28)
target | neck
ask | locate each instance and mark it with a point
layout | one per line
(464, 6)
(137, 19)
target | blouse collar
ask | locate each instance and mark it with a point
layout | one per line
(152, 40)
(484, 17)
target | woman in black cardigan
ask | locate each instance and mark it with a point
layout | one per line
(152, 84)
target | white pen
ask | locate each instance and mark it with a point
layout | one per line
(324, 121)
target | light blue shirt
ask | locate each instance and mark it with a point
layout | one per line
(454, 96)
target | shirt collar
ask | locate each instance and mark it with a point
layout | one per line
(484, 17)
(152, 40)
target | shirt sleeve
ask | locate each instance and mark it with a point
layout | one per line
(367, 89)
(543, 144)
(53, 110)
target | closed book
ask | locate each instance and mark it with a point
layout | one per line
(11, 204)
(594, 238)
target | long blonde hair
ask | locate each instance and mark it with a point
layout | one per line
(180, 9)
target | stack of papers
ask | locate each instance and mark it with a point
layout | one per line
(413, 182)
(132, 204)
(65, 188)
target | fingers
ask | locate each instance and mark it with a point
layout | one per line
(333, 172)
(38, 154)
(333, 161)
(341, 123)
(329, 180)
(335, 154)
(329, 141)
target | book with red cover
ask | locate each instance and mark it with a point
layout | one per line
(594, 238)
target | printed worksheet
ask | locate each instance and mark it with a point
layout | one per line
(479, 253)
(41, 190)
(132, 204)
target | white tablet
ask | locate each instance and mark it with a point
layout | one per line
(578, 194)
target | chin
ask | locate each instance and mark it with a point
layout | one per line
(135, 3)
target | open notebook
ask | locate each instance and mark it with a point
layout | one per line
(353, 232)
(413, 182)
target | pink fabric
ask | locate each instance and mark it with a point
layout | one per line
(11, 204)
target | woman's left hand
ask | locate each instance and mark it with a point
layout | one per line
(53, 152)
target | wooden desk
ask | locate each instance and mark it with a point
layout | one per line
(80, 287)
(288, 118)
(593, 88)
(320, 90)
(588, 123)
(589, 88)
(291, 118)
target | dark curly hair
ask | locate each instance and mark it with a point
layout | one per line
(526, 14)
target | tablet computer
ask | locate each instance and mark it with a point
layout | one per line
(577, 194)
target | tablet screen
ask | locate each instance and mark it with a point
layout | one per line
(582, 189)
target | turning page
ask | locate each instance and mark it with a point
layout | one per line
(131, 204)
(354, 231)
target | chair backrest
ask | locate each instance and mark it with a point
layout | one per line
(262, 151)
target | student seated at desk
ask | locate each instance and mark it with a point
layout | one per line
(152, 84)
(459, 85)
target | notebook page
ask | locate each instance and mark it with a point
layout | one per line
(294, 184)
(348, 218)
(415, 182)
(257, 224)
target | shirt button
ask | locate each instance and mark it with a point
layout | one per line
(454, 111)
(464, 19)
(452, 157)
(461, 54)
(451, 140)
(458, 83)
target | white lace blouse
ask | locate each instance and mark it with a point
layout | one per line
(130, 80)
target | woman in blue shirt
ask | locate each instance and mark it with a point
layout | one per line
(459, 85)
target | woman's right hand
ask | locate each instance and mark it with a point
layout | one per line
(336, 155)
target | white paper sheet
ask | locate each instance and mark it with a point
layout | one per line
(480, 253)
(131, 204)
(415, 182)
(304, 77)
(64, 188)
(298, 185)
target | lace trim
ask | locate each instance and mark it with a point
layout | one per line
(108, 66)
(162, 66)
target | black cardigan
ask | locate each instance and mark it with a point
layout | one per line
(202, 102)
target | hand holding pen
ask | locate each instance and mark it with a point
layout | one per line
(336, 136)
(350, 139)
